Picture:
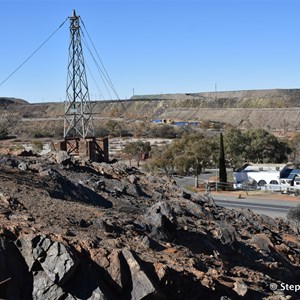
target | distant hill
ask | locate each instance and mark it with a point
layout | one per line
(275, 98)
(5, 101)
(277, 109)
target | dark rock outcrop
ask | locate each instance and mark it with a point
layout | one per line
(88, 231)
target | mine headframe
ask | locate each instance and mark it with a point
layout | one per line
(79, 135)
(78, 119)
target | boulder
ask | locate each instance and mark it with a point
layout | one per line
(185, 194)
(226, 233)
(240, 288)
(268, 221)
(56, 260)
(132, 178)
(60, 263)
(142, 285)
(62, 157)
(162, 221)
(16, 280)
(262, 243)
(43, 288)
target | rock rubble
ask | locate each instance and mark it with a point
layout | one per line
(81, 230)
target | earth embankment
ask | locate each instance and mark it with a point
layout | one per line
(277, 109)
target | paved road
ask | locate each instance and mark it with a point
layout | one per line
(272, 208)
(203, 177)
(268, 205)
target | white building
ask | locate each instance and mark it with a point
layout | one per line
(257, 175)
(290, 179)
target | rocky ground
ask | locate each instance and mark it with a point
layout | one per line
(81, 230)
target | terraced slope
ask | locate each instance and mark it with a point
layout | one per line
(270, 109)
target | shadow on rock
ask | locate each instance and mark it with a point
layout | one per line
(66, 190)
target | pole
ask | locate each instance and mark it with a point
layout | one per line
(216, 178)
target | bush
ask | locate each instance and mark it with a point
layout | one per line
(294, 215)
(37, 145)
(59, 132)
(41, 133)
(3, 132)
(163, 131)
(101, 131)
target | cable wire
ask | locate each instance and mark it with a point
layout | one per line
(108, 78)
(30, 56)
(103, 69)
(95, 82)
(103, 72)
(102, 75)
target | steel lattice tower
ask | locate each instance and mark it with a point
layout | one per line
(78, 121)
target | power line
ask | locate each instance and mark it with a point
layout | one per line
(102, 70)
(102, 75)
(95, 82)
(30, 56)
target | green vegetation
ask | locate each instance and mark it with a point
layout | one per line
(37, 145)
(16, 147)
(140, 130)
(137, 150)
(112, 128)
(254, 145)
(194, 152)
(41, 133)
(59, 131)
(295, 145)
(3, 132)
(8, 122)
(189, 154)
(101, 131)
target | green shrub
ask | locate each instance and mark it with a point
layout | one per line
(3, 132)
(101, 131)
(59, 132)
(41, 133)
(37, 145)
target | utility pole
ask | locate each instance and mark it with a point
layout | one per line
(78, 121)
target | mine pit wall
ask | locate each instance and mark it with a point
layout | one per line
(273, 119)
(272, 110)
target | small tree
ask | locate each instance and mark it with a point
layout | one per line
(137, 150)
(235, 145)
(3, 132)
(193, 153)
(8, 121)
(162, 161)
(113, 127)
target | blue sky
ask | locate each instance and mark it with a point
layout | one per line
(153, 46)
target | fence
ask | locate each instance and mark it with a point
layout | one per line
(230, 186)
(215, 186)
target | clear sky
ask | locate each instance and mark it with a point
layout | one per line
(153, 47)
